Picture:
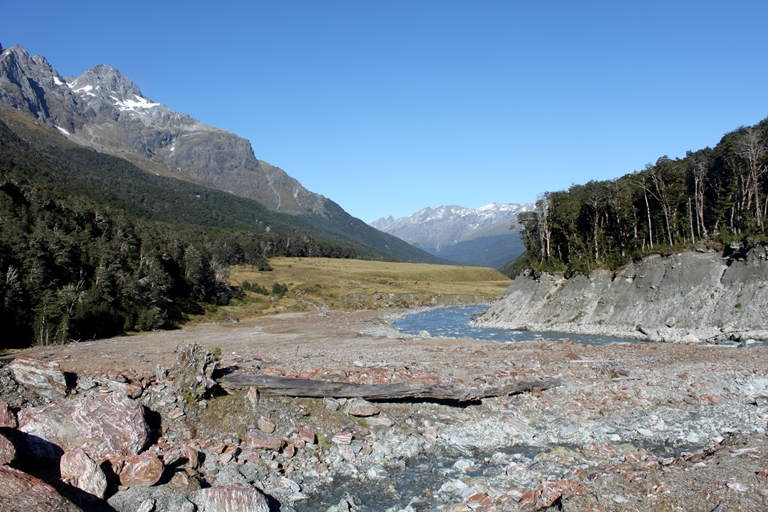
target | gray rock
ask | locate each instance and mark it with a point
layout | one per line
(21, 492)
(229, 499)
(192, 373)
(79, 470)
(43, 377)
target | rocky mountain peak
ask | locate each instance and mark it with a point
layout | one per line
(104, 80)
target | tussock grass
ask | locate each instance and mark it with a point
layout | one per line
(342, 284)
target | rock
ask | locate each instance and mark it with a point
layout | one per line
(193, 370)
(264, 442)
(346, 452)
(331, 403)
(377, 472)
(266, 425)
(183, 483)
(424, 334)
(230, 499)
(307, 435)
(342, 438)
(253, 395)
(79, 470)
(106, 426)
(7, 450)
(463, 465)
(20, 492)
(360, 407)
(42, 377)
(7, 416)
(142, 470)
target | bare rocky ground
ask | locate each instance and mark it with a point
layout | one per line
(644, 426)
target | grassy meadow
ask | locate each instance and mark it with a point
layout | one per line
(343, 284)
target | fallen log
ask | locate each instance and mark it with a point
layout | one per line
(286, 386)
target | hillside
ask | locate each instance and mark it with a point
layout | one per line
(104, 110)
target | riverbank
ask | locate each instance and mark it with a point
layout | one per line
(630, 427)
(709, 294)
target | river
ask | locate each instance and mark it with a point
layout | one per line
(453, 322)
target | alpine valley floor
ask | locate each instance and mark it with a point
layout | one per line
(644, 426)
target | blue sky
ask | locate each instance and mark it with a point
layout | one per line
(390, 106)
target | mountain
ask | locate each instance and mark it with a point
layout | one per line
(106, 111)
(479, 236)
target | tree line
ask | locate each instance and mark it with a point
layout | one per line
(717, 194)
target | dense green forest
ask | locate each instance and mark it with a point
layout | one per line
(715, 194)
(79, 261)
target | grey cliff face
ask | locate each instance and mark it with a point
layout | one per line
(691, 296)
(105, 110)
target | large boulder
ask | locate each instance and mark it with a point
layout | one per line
(193, 371)
(21, 492)
(142, 470)
(106, 426)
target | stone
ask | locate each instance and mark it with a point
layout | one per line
(142, 470)
(342, 438)
(258, 440)
(230, 499)
(379, 421)
(307, 435)
(347, 453)
(147, 505)
(183, 483)
(266, 425)
(192, 373)
(43, 377)
(7, 450)
(363, 408)
(79, 470)
(7, 416)
(21, 492)
(105, 426)
(253, 395)
(376, 472)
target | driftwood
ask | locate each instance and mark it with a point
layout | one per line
(285, 386)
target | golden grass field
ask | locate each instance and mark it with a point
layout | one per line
(323, 283)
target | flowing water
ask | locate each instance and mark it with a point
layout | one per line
(453, 322)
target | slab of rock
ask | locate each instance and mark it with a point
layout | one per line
(7, 450)
(43, 377)
(360, 407)
(21, 492)
(142, 470)
(266, 425)
(265, 442)
(79, 470)
(105, 426)
(307, 435)
(342, 438)
(230, 499)
(7, 416)
(192, 373)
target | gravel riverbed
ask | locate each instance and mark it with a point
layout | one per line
(644, 426)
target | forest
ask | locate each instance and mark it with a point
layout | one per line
(78, 266)
(710, 195)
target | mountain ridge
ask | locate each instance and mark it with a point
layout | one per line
(106, 111)
(478, 236)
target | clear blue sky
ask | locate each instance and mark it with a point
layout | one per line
(390, 106)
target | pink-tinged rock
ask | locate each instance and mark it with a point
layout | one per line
(342, 438)
(138, 470)
(549, 492)
(182, 482)
(193, 457)
(265, 442)
(176, 413)
(7, 416)
(363, 408)
(105, 426)
(21, 492)
(230, 499)
(266, 425)
(289, 450)
(41, 376)
(7, 450)
(379, 421)
(307, 435)
(79, 470)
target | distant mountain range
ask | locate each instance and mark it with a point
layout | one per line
(105, 110)
(479, 236)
